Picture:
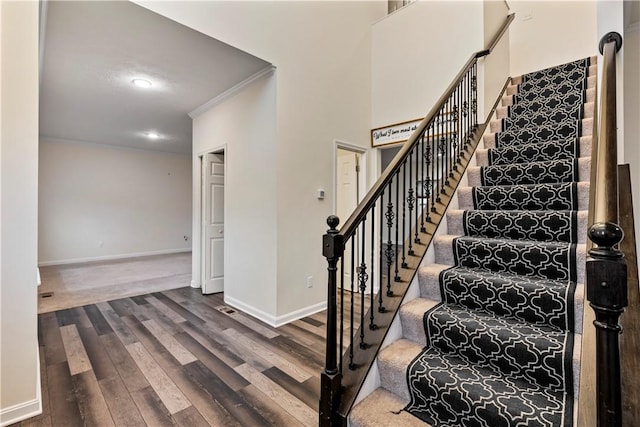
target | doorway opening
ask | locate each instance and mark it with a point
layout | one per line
(350, 188)
(212, 220)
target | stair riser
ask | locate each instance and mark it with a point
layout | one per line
(430, 291)
(503, 112)
(474, 175)
(459, 332)
(444, 254)
(455, 225)
(465, 197)
(589, 97)
(522, 154)
(513, 88)
(586, 126)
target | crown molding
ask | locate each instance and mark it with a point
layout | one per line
(231, 91)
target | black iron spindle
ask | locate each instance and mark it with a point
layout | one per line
(389, 252)
(381, 308)
(410, 200)
(341, 336)
(372, 325)
(396, 277)
(352, 366)
(363, 277)
(404, 209)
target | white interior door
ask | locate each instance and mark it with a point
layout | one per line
(213, 223)
(347, 197)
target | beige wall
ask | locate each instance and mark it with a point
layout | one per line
(99, 201)
(548, 33)
(322, 51)
(245, 126)
(19, 389)
(417, 51)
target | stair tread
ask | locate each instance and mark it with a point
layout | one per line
(516, 348)
(460, 383)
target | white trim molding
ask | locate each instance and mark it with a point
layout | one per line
(24, 410)
(275, 321)
(231, 91)
(113, 257)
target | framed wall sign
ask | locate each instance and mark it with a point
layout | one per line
(444, 124)
(393, 134)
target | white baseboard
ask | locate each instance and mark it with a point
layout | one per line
(194, 284)
(24, 410)
(112, 257)
(272, 320)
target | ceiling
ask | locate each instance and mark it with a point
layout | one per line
(92, 52)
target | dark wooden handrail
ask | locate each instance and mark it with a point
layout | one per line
(606, 268)
(350, 226)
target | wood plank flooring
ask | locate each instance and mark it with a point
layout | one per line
(177, 358)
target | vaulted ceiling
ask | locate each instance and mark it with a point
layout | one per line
(93, 51)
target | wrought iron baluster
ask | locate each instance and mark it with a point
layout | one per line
(389, 252)
(433, 156)
(363, 277)
(396, 277)
(404, 210)
(341, 337)
(381, 308)
(372, 325)
(410, 200)
(474, 88)
(440, 158)
(425, 179)
(352, 366)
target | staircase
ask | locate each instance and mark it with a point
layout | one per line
(494, 337)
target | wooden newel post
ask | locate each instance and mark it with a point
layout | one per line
(606, 274)
(331, 378)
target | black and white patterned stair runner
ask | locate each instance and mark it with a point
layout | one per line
(499, 346)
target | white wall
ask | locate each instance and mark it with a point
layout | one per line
(245, 125)
(322, 51)
(548, 33)
(98, 201)
(416, 53)
(19, 387)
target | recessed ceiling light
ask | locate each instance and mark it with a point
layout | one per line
(152, 135)
(142, 83)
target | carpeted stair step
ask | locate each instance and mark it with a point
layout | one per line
(548, 260)
(383, 409)
(517, 349)
(487, 292)
(553, 171)
(514, 87)
(537, 152)
(593, 71)
(544, 226)
(448, 391)
(544, 133)
(537, 118)
(566, 196)
(563, 72)
(544, 105)
(589, 96)
(526, 258)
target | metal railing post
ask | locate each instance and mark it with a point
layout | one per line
(331, 378)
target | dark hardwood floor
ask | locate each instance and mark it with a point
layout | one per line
(177, 358)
